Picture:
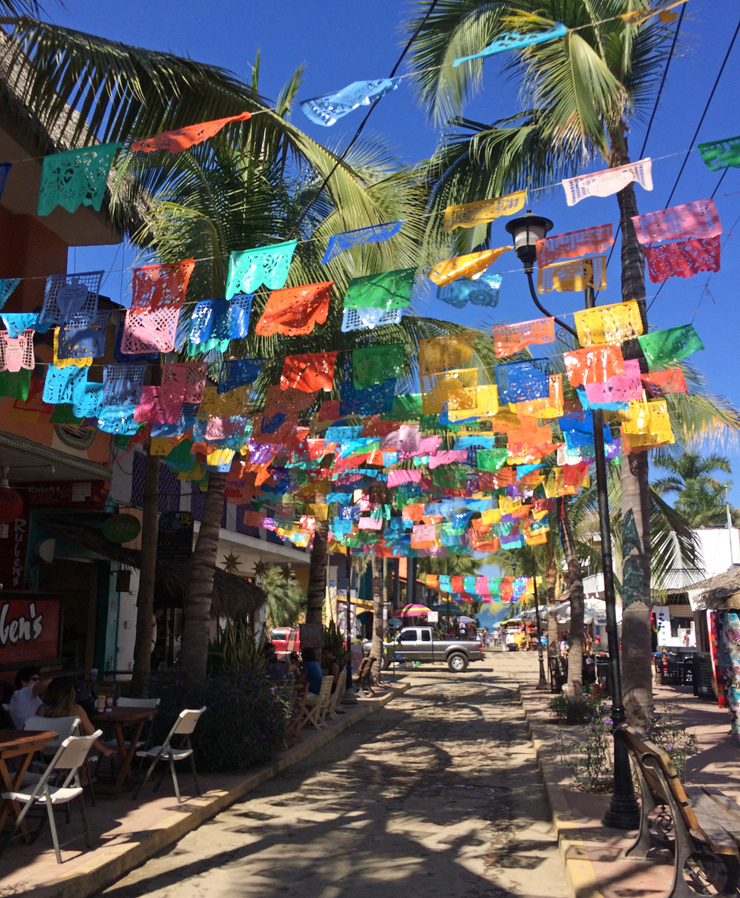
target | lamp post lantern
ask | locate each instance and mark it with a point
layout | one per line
(624, 812)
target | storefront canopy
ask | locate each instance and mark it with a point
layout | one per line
(232, 596)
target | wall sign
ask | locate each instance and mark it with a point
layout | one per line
(121, 528)
(30, 628)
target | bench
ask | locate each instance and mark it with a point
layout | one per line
(705, 837)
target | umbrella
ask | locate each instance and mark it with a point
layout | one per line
(448, 608)
(463, 619)
(414, 610)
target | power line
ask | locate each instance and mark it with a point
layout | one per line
(363, 122)
(652, 116)
(693, 140)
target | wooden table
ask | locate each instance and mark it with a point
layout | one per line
(18, 744)
(118, 718)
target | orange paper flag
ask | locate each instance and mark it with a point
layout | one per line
(310, 372)
(183, 138)
(295, 311)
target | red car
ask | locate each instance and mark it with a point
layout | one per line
(286, 640)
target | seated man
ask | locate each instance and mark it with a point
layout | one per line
(26, 700)
(276, 669)
(312, 673)
(330, 664)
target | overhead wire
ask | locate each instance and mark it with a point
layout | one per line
(653, 114)
(696, 134)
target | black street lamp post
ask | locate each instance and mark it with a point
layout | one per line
(624, 812)
(542, 685)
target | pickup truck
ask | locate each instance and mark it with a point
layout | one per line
(418, 644)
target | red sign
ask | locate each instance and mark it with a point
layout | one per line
(30, 627)
(91, 493)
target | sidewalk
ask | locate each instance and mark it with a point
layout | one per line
(126, 834)
(592, 854)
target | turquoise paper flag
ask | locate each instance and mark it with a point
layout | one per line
(7, 285)
(76, 178)
(251, 268)
(514, 41)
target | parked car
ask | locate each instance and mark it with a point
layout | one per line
(286, 639)
(419, 644)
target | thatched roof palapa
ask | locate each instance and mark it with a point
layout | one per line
(720, 593)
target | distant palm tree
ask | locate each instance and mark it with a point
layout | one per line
(285, 598)
(700, 495)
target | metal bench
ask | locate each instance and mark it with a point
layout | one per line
(699, 825)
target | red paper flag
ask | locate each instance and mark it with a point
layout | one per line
(182, 138)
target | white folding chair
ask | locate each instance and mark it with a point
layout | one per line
(336, 696)
(182, 729)
(70, 756)
(317, 707)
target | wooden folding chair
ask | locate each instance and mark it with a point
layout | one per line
(316, 709)
(336, 696)
(300, 696)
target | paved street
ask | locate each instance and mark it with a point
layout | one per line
(435, 795)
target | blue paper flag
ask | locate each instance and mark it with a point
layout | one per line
(215, 322)
(17, 322)
(4, 169)
(514, 41)
(7, 285)
(238, 373)
(338, 243)
(522, 381)
(328, 109)
(480, 292)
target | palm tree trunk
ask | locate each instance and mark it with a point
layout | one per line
(575, 590)
(378, 624)
(636, 641)
(317, 575)
(197, 611)
(147, 575)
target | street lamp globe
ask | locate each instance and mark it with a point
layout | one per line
(526, 231)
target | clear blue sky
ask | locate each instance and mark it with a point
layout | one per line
(340, 42)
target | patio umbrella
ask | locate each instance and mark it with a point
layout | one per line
(448, 608)
(464, 619)
(415, 610)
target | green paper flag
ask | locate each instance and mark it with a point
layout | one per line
(375, 364)
(492, 459)
(63, 414)
(388, 290)
(668, 346)
(719, 154)
(405, 408)
(15, 385)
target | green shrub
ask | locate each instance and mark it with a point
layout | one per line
(573, 710)
(246, 720)
(334, 637)
(236, 649)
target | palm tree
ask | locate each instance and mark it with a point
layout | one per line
(701, 495)
(580, 95)
(285, 598)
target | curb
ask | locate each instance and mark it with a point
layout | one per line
(579, 871)
(98, 874)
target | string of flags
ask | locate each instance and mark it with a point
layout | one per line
(456, 460)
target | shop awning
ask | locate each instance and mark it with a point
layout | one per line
(232, 596)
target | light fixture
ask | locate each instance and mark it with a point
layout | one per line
(526, 231)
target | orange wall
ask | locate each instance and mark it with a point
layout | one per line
(28, 250)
